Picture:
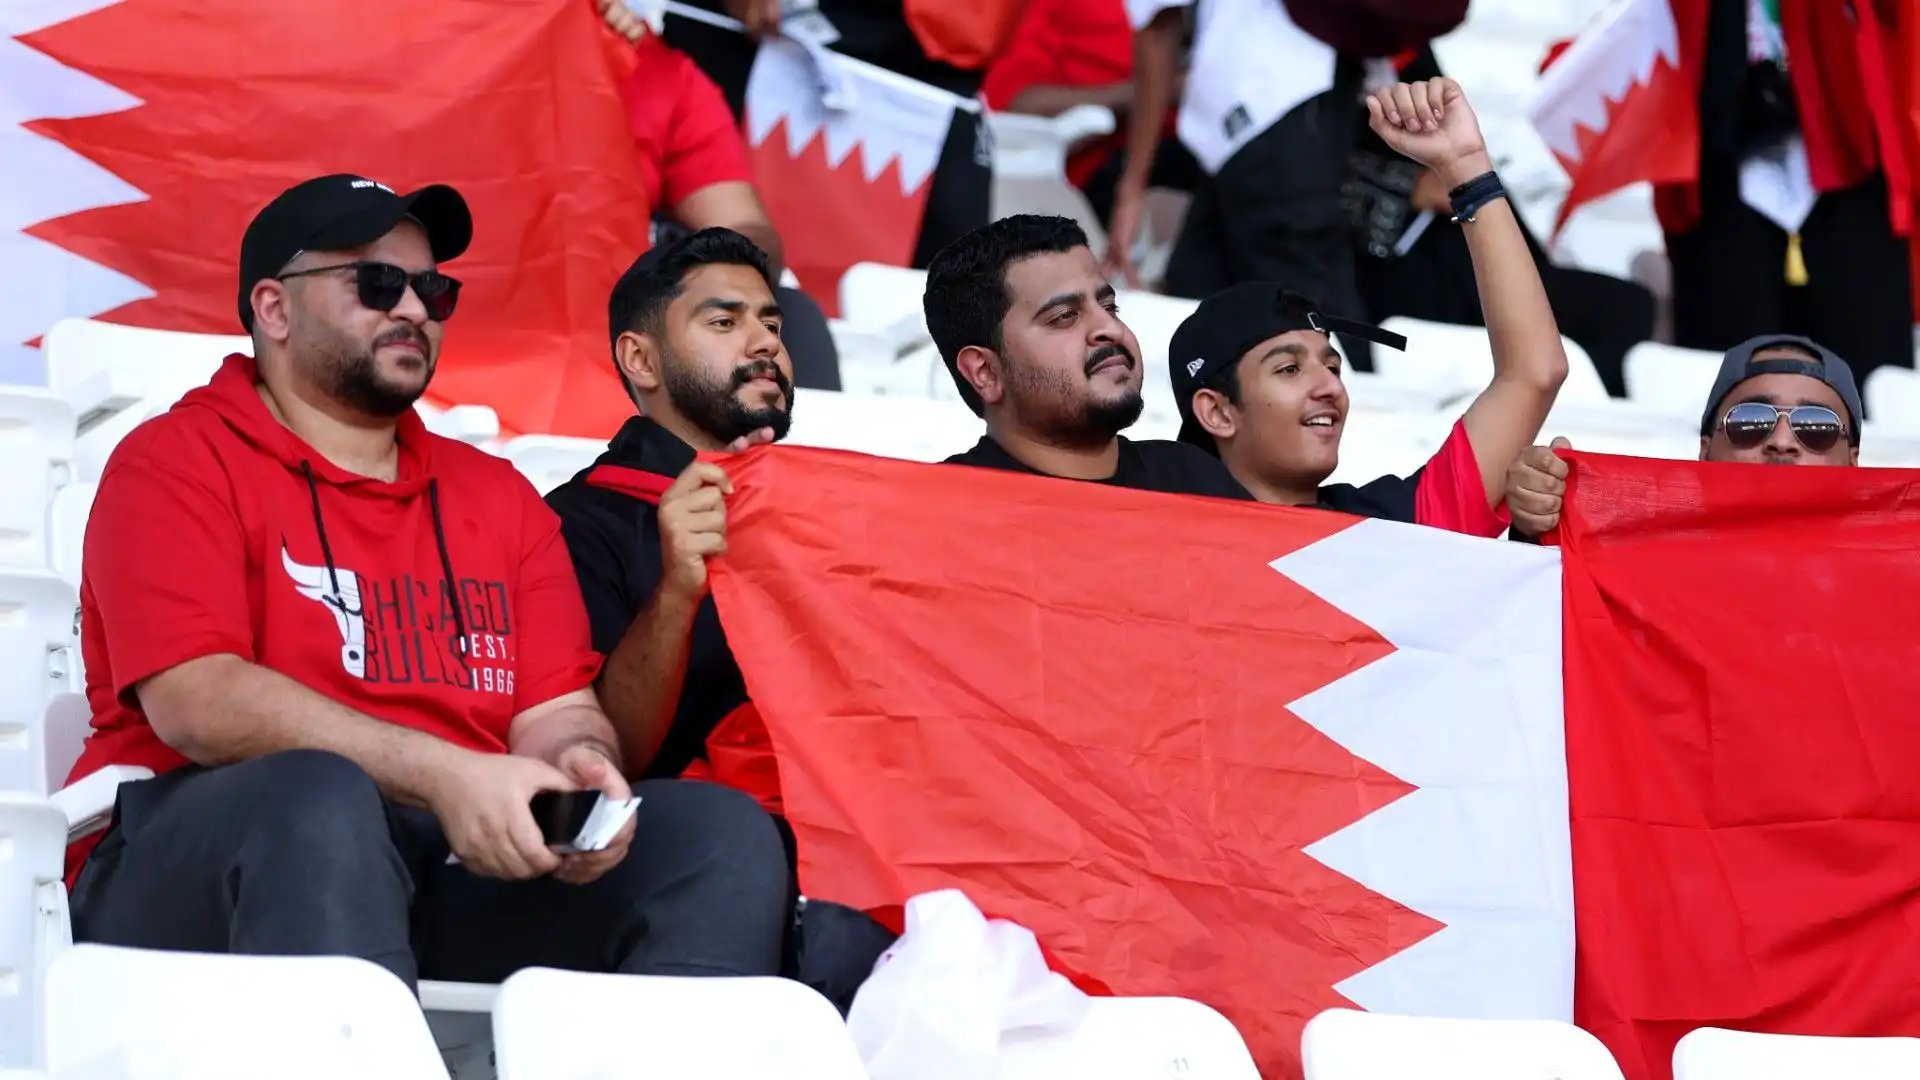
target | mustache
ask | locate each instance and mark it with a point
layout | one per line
(763, 369)
(1107, 352)
(401, 334)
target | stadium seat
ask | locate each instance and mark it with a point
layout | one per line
(1719, 1054)
(1892, 396)
(33, 918)
(550, 460)
(1345, 1044)
(67, 529)
(885, 301)
(917, 429)
(36, 443)
(39, 658)
(563, 1025)
(222, 1017)
(1459, 359)
(473, 424)
(1030, 165)
(1670, 380)
(1125, 1038)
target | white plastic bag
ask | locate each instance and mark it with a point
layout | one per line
(942, 997)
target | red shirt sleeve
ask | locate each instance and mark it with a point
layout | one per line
(687, 136)
(164, 560)
(1451, 494)
(1032, 58)
(556, 654)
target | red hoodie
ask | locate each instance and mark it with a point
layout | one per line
(217, 530)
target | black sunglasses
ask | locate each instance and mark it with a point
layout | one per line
(383, 285)
(1749, 423)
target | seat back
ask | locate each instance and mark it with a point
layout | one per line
(1344, 1044)
(222, 1017)
(1719, 1054)
(39, 658)
(1134, 1039)
(33, 847)
(564, 1025)
(1669, 379)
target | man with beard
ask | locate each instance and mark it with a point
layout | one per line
(696, 340)
(1778, 400)
(1030, 330)
(353, 652)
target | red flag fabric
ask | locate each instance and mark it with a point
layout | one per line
(514, 104)
(1740, 667)
(1065, 700)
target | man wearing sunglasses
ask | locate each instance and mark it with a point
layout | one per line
(1778, 400)
(353, 652)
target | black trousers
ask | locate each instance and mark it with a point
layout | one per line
(298, 853)
(1729, 279)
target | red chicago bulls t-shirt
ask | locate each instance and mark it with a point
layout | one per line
(217, 530)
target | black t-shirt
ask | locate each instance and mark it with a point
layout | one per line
(614, 539)
(1181, 469)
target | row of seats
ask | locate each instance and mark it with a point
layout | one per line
(113, 1011)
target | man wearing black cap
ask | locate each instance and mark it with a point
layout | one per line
(1778, 400)
(1257, 379)
(353, 653)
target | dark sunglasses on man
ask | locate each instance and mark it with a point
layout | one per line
(1749, 424)
(383, 285)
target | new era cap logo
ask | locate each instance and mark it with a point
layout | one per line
(1194, 366)
(372, 183)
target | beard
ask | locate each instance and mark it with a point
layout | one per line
(348, 372)
(1058, 407)
(713, 405)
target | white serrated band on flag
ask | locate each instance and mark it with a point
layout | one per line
(1468, 709)
(889, 119)
(1615, 53)
(42, 282)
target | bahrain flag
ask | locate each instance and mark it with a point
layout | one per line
(843, 153)
(1617, 107)
(1275, 760)
(143, 135)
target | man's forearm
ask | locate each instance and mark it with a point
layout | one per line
(767, 239)
(1054, 100)
(558, 731)
(1513, 299)
(1156, 60)
(640, 682)
(221, 709)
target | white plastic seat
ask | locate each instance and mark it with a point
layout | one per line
(67, 529)
(33, 918)
(564, 1025)
(1719, 1054)
(1134, 1039)
(116, 376)
(473, 424)
(1030, 165)
(36, 442)
(39, 658)
(1345, 1044)
(1892, 396)
(1459, 359)
(916, 429)
(219, 1017)
(550, 460)
(886, 301)
(1671, 380)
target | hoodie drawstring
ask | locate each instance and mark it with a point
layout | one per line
(439, 539)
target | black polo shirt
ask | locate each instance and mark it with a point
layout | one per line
(614, 538)
(1445, 493)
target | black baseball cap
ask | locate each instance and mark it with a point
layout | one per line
(334, 213)
(1820, 363)
(1230, 322)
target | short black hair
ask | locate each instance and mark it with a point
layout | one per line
(640, 298)
(967, 300)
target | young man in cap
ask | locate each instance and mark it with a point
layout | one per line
(1257, 379)
(1778, 400)
(1031, 332)
(696, 335)
(353, 652)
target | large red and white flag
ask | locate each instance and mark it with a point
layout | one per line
(1280, 760)
(1618, 107)
(140, 137)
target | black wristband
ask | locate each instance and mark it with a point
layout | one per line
(1468, 198)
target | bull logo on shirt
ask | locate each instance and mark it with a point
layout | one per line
(337, 590)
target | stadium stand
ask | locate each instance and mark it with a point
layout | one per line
(1719, 1054)
(1123, 1037)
